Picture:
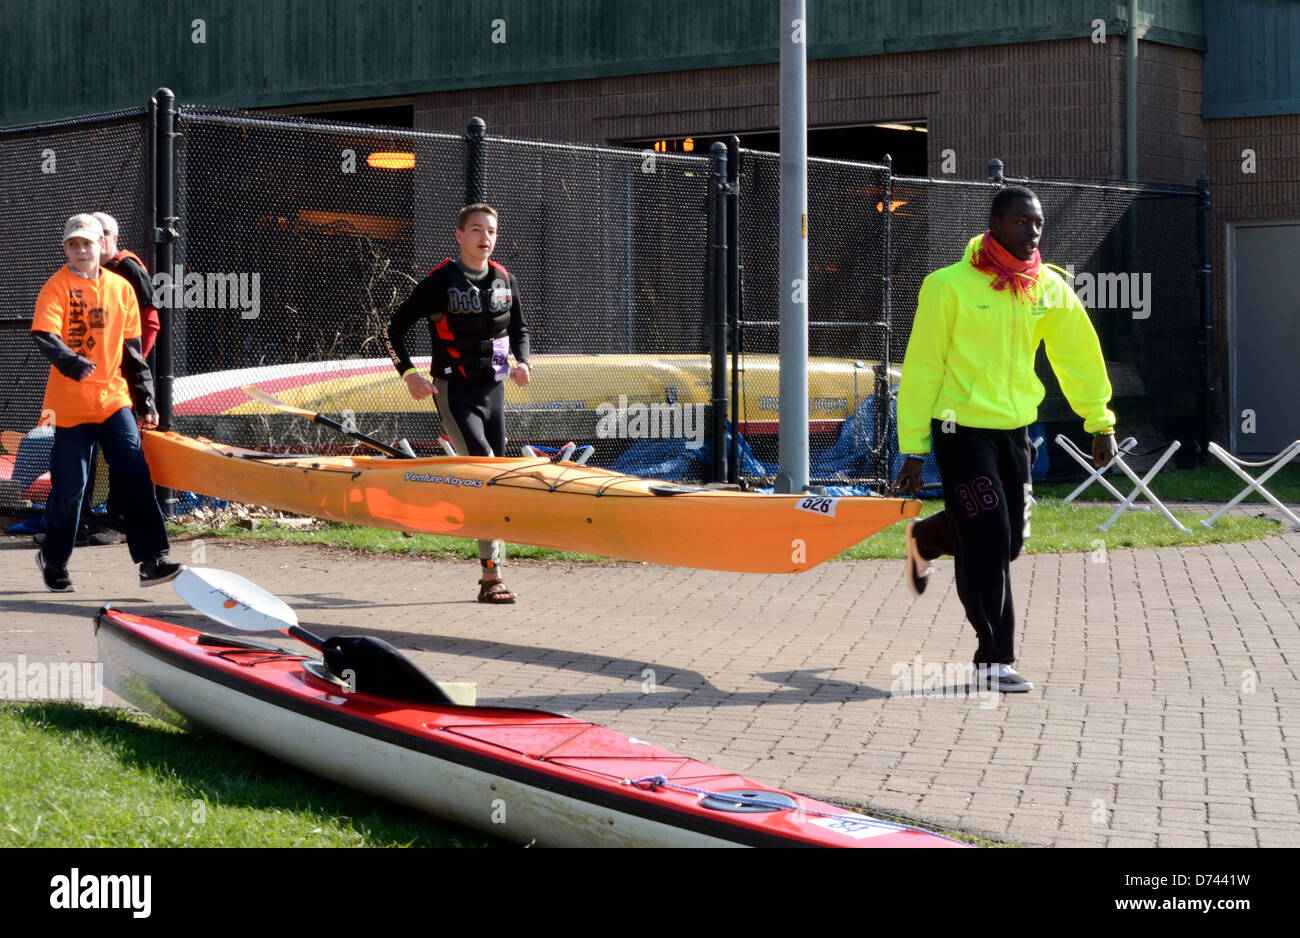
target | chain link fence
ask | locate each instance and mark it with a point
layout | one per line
(848, 331)
(298, 239)
(48, 173)
(1133, 256)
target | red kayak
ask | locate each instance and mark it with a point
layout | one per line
(523, 775)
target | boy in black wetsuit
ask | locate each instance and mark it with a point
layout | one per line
(475, 323)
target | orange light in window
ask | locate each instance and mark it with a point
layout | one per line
(688, 144)
(391, 160)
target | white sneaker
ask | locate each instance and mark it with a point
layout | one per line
(1000, 677)
(917, 570)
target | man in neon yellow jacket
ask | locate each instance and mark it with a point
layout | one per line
(969, 388)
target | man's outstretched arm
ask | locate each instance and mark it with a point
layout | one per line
(1075, 356)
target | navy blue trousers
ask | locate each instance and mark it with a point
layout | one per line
(70, 462)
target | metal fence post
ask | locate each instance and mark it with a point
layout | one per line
(151, 152)
(475, 162)
(1203, 220)
(720, 277)
(884, 390)
(164, 238)
(165, 234)
(733, 300)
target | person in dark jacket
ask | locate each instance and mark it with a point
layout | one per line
(476, 323)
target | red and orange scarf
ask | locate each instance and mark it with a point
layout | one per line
(1007, 269)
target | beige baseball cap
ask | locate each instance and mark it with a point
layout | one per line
(83, 226)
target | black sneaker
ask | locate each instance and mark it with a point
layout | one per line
(83, 538)
(917, 571)
(159, 570)
(105, 536)
(1000, 677)
(56, 581)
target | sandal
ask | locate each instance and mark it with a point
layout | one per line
(495, 592)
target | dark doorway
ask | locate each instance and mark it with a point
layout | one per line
(905, 142)
(390, 115)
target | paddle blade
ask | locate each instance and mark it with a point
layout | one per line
(258, 394)
(269, 400)
(232, 600)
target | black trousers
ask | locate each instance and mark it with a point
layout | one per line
(983, 525)
(473, 416)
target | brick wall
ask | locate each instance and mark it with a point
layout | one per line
(1046, 109)
(1043, 108)
(1271, 191)
(1171, 141)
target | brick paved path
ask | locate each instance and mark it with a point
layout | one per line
(1167, 711)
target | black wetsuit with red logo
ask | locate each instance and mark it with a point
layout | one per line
(474, 323)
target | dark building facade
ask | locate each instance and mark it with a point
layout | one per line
(1046, 93)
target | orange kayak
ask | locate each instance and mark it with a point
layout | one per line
(530, 500)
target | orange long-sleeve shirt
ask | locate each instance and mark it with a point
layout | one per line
(93, 318)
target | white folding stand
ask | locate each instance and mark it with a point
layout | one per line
(1094, 474)
(1033, 458)
(1255, 485)
(1142, 487)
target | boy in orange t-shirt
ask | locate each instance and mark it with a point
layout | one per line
(87, 324)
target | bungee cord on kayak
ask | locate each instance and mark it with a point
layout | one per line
(602, 488)
(231, 653)
(525, 471)
(654, 782)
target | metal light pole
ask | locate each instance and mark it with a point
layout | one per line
(793, 440)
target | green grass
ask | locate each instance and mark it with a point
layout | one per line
(1066, 528)
(1213, 482)
(85, 777)
(81, 777)
(1057, 528)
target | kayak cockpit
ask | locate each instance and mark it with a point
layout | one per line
(457, 693)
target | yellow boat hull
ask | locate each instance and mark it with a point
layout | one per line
(562, 400)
